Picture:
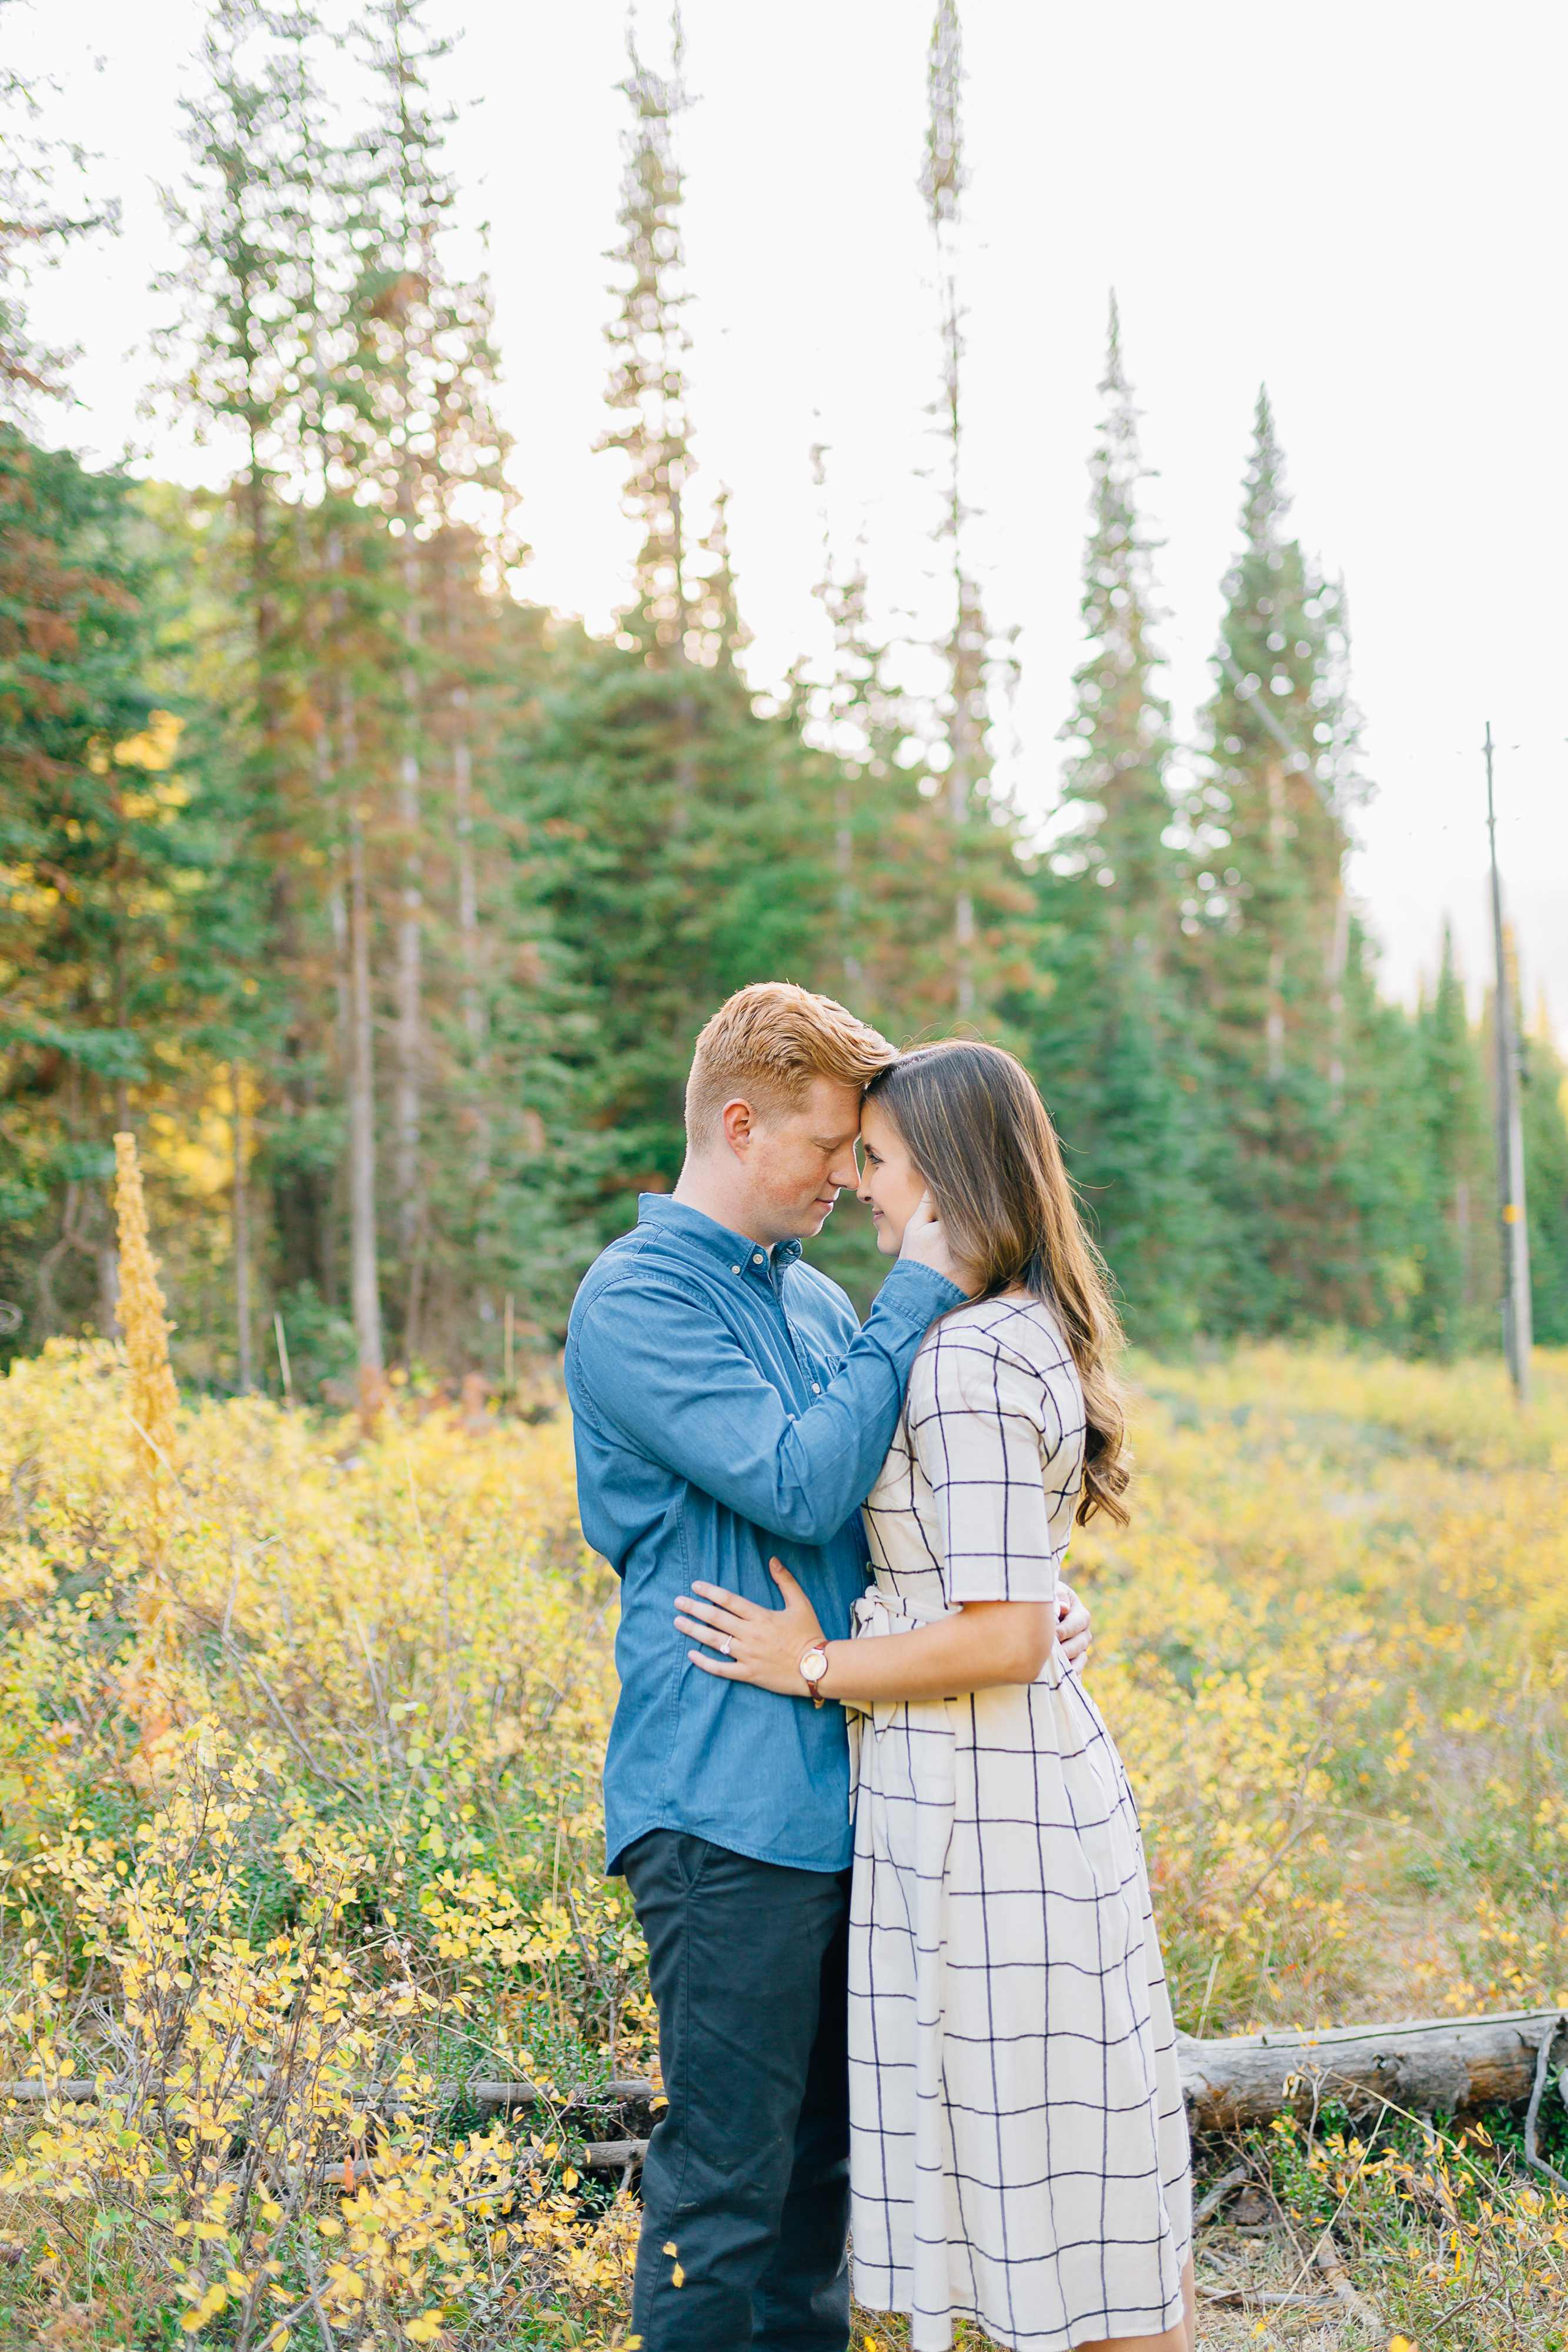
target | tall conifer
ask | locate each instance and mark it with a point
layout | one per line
(967, 650)
(244, 351)
(1545, 1117)
(1108, 1041)
(1118, 735)
(891, 841)
(117, 915)
(1271, 936)
(1453, 1309)
(648, 343)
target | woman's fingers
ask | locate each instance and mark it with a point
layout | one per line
(781, 1576)
(710, 1611)
(736, 1604)
(716, 1666)
(1073, 1627)
(713, 1635)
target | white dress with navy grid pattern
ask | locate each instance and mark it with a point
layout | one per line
(1019, 2144)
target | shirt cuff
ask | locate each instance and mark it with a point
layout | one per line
(916, 1295)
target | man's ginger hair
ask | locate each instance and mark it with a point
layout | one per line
(766, 1045)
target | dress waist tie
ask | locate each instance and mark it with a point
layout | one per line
(877, 1612)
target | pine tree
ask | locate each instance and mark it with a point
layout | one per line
(321, 313)
(1545, 1111)
(33, 232)
(1270, 930)
(648, 342)
(426, 368)
(259, 291)
(968, 648)
(1119, 736)
(678, 830)
(679, 836)
(118, 910)
(889, 954)
(1454, 1308)
(1108, 1039)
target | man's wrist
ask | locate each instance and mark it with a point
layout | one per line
(917, 1291)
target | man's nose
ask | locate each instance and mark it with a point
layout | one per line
(845, 1174)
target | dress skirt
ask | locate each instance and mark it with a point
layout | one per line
(1019, 2141)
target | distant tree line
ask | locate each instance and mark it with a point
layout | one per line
(385, 906)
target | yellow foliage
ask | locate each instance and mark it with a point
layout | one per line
(153, 1401)
(300, 1748)
(1340, 1611)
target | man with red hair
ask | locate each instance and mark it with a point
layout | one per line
(729, 1411)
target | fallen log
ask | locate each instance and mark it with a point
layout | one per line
(1448, 2066)
(1423, 2065)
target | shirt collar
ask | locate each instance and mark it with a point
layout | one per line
(734, 1251)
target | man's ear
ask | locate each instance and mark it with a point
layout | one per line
(737, 1125)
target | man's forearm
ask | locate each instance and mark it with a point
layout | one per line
(708, 1415)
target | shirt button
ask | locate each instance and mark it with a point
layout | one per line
(816, 1388)
(759, 1259)
(735, 1269)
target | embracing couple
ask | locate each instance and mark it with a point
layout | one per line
(878, 1838)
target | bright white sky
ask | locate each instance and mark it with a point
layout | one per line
(1360, 205)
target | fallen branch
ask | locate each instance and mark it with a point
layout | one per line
(1326, 2257)
(1237, 2178)
(614, 2155)
(1238, 2299)
(77, 2090)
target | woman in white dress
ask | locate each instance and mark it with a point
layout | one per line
(1019, 2139)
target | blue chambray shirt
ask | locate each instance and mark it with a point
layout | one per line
(726, 1407)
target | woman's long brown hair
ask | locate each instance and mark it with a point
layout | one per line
(977, 1130)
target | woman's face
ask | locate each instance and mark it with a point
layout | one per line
(891, 1185)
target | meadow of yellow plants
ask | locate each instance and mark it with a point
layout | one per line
(301, 1724)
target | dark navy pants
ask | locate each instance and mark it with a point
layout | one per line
(746, 2185)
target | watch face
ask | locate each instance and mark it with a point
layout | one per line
(814, 1663)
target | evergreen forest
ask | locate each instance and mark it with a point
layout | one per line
(383, 904)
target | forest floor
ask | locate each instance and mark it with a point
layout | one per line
(300, 1737)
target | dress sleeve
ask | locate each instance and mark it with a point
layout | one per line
(987, 1431)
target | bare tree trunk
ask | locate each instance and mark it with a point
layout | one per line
(474, 1023)
(241, 1235)
(844, 857)
(1274, 1019)
(410, 955)
(1339, 957)
(364, 1282)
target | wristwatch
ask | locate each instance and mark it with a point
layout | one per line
(813, 1666)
